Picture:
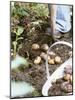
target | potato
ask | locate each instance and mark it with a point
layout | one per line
(69, 88)
(66, 87)
(51, 61)
(70, 53)
(37, 60)
(35, 46)
(52, 53)
(44, 56)
(57, 60)
(67, 77)
(71, 79)
(45, 47)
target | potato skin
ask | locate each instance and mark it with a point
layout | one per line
(35, 46)
(71, 79)
(51, 61)
(45, 47)
(37, 60)
(44, 56)
(67, 77)
(57, 60)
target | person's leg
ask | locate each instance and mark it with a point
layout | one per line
(63, 20)
(52, 30)
(60, 20)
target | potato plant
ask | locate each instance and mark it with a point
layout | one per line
(18, 33)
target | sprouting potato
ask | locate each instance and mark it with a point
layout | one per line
(67, 77)
(37, 60)
(44, 56)
(35, 46)
(57, 60)
(51, 61)
(45, 47)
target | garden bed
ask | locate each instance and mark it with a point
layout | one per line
(36, 74)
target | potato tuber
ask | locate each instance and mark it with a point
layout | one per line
(57, 60)
(67, 77)
(37, 60)
(45, 47)
(44, 56)
(35, 46)
(66, 87)
(51, 61)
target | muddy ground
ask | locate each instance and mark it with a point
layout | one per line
(36, 74)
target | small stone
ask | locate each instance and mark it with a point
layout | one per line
(57, 48)
(12, 54)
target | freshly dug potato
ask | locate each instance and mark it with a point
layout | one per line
(57, 60)
(66, 87)
(35, 46)
(37, 60)
(52, 53)
(44, 56)
(45, 47)
(67, 77)
(51, 61)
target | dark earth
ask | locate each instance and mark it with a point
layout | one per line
(64, 85)
(56, 89)
(36, 74)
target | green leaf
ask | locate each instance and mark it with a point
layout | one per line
(19, 38)
(24, 13)
(20, 31)
(14, 43)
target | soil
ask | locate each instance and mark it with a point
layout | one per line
(61, 86)
(36, 74)
(56, 89)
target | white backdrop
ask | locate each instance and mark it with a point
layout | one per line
(5, 48)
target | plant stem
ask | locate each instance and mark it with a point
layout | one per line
(15, 46)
